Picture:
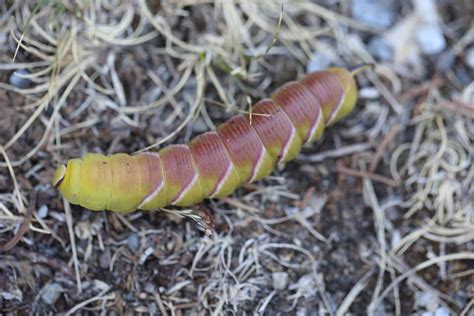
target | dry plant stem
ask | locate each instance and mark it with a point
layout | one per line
(435, 83)
(49, 125)
(199, 70)
(396, 106)
(353, 293)
(336, 153)
(364, 174)
(304, 202)
(383, 145)
(9, 165)
(379, 218)
(421, 266)
(160, 304)
(23, 227)
(399, 265)
(98, 297)
(277, 30)
(468, 308)
(67, 210)
(184, 77)
(459, 106)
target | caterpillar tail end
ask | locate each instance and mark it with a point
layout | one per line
(361, 67)
(349, 97)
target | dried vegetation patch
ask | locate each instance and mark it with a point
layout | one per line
(376, 217)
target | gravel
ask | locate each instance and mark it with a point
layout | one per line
(51, 293)
(18, 80)
(377, 14)
(431, 39)
(470, 57)
(133, 242)
(318, 62)
(381, 49)
(280, 280)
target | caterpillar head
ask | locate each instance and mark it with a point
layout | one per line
(87, 181)
(66, 180)
(59, 175)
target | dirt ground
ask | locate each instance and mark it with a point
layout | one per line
(375, 218)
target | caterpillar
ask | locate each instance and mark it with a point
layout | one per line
(243, 149)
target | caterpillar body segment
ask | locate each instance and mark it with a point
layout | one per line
(243, 149)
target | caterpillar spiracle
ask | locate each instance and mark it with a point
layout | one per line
(243, 149)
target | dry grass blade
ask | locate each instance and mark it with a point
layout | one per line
(75, 260)
(421, 266)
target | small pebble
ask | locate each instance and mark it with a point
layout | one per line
(199, 126)
(470, 57)
(17, 79)
(150, 288)
(375, 13)
(427, 300)
(430, 38)
(148, 252)
(105, 258)
(153, 309)
(291, 211)
(396, 238)
(441, 311)
(302, 311)
(280, 280)
(129, 296)
(369, 93)
(445, 60)
(83, 230)
(51, 293)
(464, 75)
(12, 295)
(381, 49)
(101, 285)
(43, 211)
(318, 62)
(133, 242)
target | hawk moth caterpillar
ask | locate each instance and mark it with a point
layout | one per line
(243, 149)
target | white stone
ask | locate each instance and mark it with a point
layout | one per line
(280, 280)
(430, 38)
(470, 57)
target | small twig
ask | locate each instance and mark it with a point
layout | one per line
(381, 148)
(420, 89)
(277, 31)
(459, 106)
(160, 304)
(422, 266)
(307, 195)
(23, 227)
(353, 293)
(336, 153)
(364, 174)
(70, 228)
(82, 304)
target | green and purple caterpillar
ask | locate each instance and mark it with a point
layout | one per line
(243, 149)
